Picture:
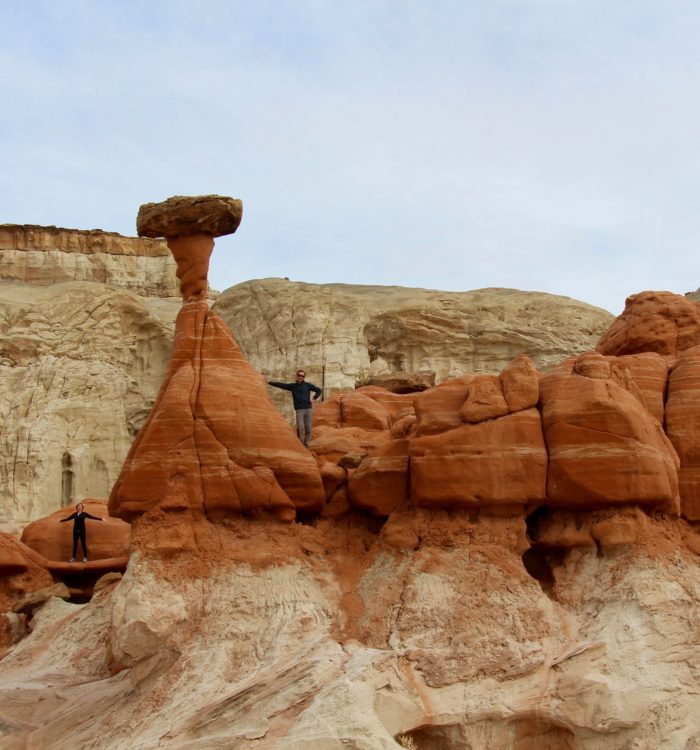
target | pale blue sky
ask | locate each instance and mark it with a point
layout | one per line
(547, 145)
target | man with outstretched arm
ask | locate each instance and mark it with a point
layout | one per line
(301, 396)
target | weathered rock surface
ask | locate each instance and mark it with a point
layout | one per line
(183, 215)
(80, 367)
(21, 571)
(402, 382)
(53, 540)
(604, 446)
(343, 334)
(683, 427)
(214, 443)
(659, 322)
(44, 256)
(334, 637)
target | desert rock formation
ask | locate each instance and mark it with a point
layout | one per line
(44, 256)
(498, 562)
(81, 361)
(80, 366)
(342, 334)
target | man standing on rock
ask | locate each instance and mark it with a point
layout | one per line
(301, 391)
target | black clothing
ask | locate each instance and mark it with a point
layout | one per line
(300, 392)
(79, 535)
(79, 521)
(79, 530)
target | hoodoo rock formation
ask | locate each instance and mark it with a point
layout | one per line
(504, 560)
(213, 443)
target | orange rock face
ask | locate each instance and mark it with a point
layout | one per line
(215, 436)
(604, 446)
(659, 322)
(683, 426)
(380, 483)
(21, 571)
(108, 538)
(496, 463)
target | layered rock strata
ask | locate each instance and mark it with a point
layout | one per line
(80, 367)
(343, 335)
(44, 256)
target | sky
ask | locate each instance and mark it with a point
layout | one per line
(544, 145)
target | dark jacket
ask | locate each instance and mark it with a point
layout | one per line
(300, 393)
(79, 521)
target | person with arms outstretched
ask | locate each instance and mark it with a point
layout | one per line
(79, 518)
(301, 396)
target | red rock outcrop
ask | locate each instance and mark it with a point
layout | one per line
(213, 443)
(604, 447)
(214, 430)
(659, 322)
(21, 571)
(53, 540)
(683, 427)
(495, 463)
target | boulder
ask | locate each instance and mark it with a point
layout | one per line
(437, 410)
(380, 484)
(21, 571)
(484, 400)
(493, 464)
(183, 215)
(520, 383)
(360, 410)
(659, 322)
(604, 447)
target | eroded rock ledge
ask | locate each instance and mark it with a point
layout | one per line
(49, 255)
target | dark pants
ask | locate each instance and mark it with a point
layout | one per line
(79, 535)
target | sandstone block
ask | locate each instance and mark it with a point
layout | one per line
(604, 447)
(327, 413)
(659, 322)
(484, 400)
(331, 444)
(359, 410)
(615, 532)
(501, 462)
(181, 215)
(437, 410)
(520, 382)
(21, 571)
(380, 484)
(649, 371)
(332, 477)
